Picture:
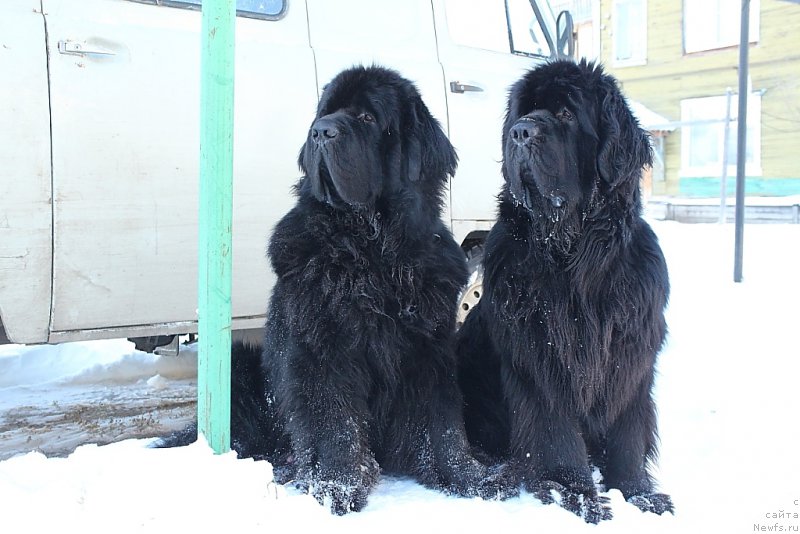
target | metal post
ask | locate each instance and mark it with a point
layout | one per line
(741, 144)
(215, 222)
(723, 184)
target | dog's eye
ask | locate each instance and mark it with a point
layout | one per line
(366, 117)
(565, 115)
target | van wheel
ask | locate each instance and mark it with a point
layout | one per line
(474, 290)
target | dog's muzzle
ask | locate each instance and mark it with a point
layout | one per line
(525, 132)
(324, 130)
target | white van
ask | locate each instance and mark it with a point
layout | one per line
(99, 111)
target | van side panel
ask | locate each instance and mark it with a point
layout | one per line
(476, 116)
(25, 208)
(125, 160)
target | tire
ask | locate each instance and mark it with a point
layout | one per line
(473, 291)
(150, 343)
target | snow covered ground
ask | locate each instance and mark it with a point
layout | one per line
(55, 398)
(727, 393)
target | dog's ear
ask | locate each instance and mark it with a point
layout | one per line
(305, 160)
(512, 113)
(302, 157)
(624, 147)
(429, 155)
(309, 161)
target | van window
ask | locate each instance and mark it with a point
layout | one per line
(257, 9)
(510, 26)
(527, 37)
(271, 8)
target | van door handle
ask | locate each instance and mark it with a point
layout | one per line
(458, 87)
(80, 49)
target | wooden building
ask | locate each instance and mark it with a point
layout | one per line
(680, 58)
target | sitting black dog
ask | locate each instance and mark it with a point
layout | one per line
(358, 371)
(557, 359)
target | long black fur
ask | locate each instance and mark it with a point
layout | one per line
(359, 368)
(556, 361)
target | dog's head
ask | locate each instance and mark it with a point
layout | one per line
(373, 136)
(569, 134)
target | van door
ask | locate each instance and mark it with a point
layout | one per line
(479, 68)
(25, 247)
(125, 121)
(398, 34)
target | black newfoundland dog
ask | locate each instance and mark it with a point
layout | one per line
(556, 361)
(358, 371)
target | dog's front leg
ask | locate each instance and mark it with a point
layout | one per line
(328, 424)
(459, 471)
(549, 451)
(631, 446)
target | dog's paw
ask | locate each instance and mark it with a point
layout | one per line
(339, 497)
(284, 474)
(341, 492)
(474, 479)
(586, 504)
(658, 503)
(499, 483)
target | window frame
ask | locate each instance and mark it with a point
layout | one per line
(539, 30)
(189, 5)
(494, 41)
(714, 169)
(635, 60)
(753, 33)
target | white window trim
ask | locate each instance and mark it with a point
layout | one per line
(753, 114)
(633, 62)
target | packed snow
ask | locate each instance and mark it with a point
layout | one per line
(72, 417)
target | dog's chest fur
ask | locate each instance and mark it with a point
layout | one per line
(363, 294)
(561, 317)
(366, 278)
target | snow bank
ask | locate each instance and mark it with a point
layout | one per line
(89, 362)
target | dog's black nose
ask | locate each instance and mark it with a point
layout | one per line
(524, 132)
(323, 130)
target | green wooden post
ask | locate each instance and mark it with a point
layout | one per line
(215, 222)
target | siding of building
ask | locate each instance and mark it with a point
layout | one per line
(670, 76)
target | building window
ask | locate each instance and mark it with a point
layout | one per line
(629, 18)
(703, 134)
(712, 24)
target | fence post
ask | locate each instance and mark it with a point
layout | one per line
(723, 183)
(215, 222)
(741, 141)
